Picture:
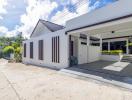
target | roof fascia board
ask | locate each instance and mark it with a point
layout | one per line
(99, 23)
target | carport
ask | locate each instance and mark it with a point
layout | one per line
(90, 57)
(85, 43)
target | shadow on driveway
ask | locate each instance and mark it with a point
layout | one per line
(119, 71)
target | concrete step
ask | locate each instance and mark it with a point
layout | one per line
(127, 58)
(130, 61)
(124, 82)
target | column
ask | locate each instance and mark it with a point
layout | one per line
(88, 44)
(88, 41)
(108, 45)
(127, 46)
(101, 44)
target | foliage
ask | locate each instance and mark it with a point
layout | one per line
(18, 54)
(12, 45)
(129, 44)
(15, 45)
(112, 52)
(18, 57)
(8, 50)
(18, 50)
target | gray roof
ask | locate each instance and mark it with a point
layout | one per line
(52, 26)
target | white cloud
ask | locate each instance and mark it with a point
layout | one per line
(11, 33)
(82, 8)
(35, 10)
(96, 4)
(5, 32)
(3, 4)
(61, 18)
(3, 29)
(1, 17)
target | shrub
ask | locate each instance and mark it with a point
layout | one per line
(18, 54)
(18, 50)
(18, 57)
(15, 45)
(112, 52)
(8, 50)
(129, 44)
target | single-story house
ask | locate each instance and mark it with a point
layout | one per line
(84, 39)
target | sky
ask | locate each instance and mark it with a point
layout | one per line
(22, 15)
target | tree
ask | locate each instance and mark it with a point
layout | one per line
(8, 50)
(18, 54)
(12, 45)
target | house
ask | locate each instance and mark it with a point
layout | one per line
(83, 39)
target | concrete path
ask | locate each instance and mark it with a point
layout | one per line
(7, 91)
(21, 82)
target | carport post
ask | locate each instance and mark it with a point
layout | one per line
(88, 40)
(88, 43)
(108, 45)
(101, 44)
(127, 46)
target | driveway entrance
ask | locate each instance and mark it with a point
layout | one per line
(120, 71)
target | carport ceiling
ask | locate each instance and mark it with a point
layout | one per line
(116, 26)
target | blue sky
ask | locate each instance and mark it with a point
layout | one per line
(22, 15)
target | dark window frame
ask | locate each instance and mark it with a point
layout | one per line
(25, 46)
(31, 50)
(41, 50)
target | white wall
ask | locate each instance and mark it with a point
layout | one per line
(40, 29)
(48, 50)
(114, 10)
(82, 53)
(93, 53)
(110, 57)
(87, 53)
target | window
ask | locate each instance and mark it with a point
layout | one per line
(55, 49)
(31, 49)
(118, 45)
(24, 49)
(94, 41)
(105, 46)
(40, 51)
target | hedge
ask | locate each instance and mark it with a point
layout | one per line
(112, 52)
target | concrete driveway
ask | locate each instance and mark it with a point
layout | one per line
(123, 69)
(22, 82)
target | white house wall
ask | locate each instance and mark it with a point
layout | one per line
(88, 53)
(40, 29)
(94, 53)
(47, 38)
(111, 11)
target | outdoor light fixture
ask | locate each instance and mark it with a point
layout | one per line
(112, 31)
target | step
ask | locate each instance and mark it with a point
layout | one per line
(127, 84)
(127, 57)
(130, 61)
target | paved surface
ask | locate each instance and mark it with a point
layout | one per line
(109, 67)
(21, 82)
